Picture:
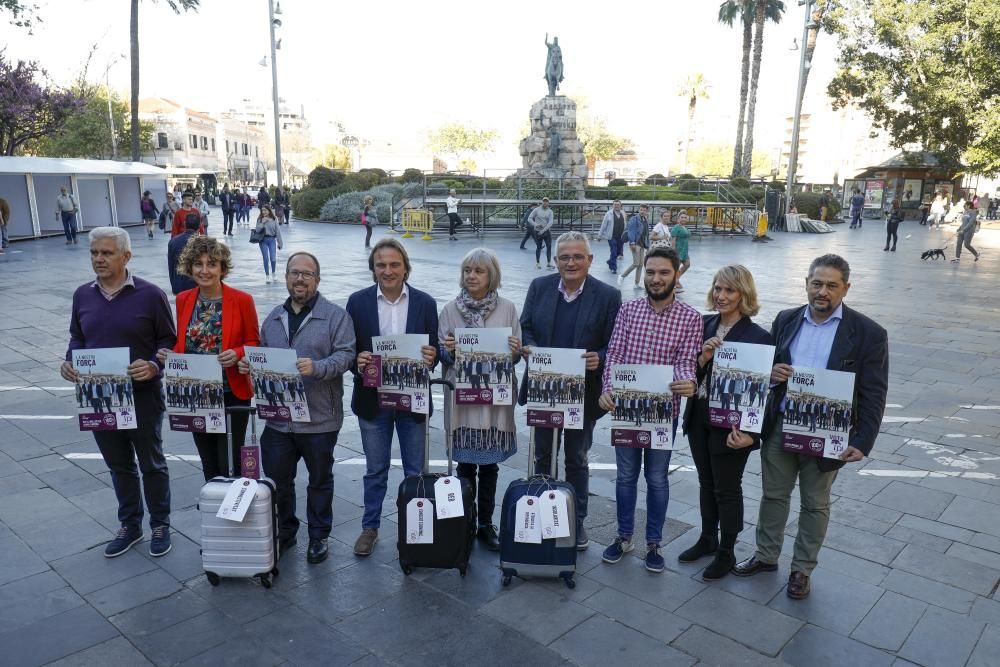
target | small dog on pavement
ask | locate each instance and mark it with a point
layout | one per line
(933, 254)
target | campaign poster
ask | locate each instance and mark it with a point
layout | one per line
(644, 406)
(818, 412)
(104, 398)
(397, 370)
(912, 193)
(556, 387)
(741, 377)
(278, 389)
(484, 369)
(194, 393)
(874, 192)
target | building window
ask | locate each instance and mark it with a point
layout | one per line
(256, 151)
(193, 140)
(246, 149)
(213, 144)
(227, 146)
(161, 140)
(204, 143)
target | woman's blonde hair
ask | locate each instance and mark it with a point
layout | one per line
(740, 279)
(204, 245)
(481, 257)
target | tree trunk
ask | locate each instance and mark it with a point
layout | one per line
(744, 83)
(134, 41)
(758, 49)
(692, 105)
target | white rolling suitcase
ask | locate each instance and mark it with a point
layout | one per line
(244, 549)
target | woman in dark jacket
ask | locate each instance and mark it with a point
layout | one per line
(721, 454)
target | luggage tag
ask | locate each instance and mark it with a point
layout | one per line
(448, 498)
(419, 522)
(238, 500)
(554, 518)
(528, 528)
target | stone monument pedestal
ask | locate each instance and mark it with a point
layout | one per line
(553, 151)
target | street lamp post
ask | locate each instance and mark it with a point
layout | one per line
(111, 116)
(793, 157)
(275, 23)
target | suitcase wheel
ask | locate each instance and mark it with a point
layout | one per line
(274, 572)
(506, 580)
(570, 583)
(462, 570)
(213, 578)
(265, 580)
(407, 569)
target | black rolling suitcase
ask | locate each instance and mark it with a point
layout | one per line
(425, 540)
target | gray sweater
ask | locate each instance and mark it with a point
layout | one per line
(541, 219)
(327, 337)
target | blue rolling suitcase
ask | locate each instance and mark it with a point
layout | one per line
(553, 557)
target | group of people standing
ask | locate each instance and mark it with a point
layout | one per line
(637, 234)
(570, 309)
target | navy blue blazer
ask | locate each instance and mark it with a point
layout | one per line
(362, 306)
(599, 304)
(861, 347)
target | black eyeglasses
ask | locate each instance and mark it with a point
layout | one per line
(296, 274)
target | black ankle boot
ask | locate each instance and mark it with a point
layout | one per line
(720, 567)
(705, 546)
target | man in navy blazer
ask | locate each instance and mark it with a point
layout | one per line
(571, 310)
(387, 308)
(823, 334)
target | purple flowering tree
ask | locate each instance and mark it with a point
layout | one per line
(30, 106)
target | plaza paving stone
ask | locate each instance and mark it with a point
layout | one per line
(908, 575)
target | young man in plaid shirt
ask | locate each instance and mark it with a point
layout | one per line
(655, 329)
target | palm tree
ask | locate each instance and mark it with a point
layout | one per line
(745, 11)
(694, 88)
(763, 11)
(177, 6)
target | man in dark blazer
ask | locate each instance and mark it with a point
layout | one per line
(822, 334)
(572, 310)
(389, 307)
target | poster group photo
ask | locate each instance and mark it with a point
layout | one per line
(195, 392)
(643, 415)
(484, 369)
(397, 370)
(817, 414)
(555, 387)
(104, 396)
(741, 376)
(278, 389)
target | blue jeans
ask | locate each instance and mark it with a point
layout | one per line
(855, 218)
(280, 454)
(376, 439)
(616, 249)
(3, 236)
(656, 464)
(577, 445)
(121, 450)
(69, 225)
(268, 250)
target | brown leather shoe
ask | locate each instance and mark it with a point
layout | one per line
(798, 586)
(752, 566)
(365, 543)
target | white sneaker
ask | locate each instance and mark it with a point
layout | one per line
(267, 278)
(538, 265)
(621, 279)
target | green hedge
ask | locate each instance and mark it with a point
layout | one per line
(308, 202)
(808, 204)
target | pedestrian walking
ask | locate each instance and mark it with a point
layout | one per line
(660, 235)
(682, 237)
(4, 221)
(202, 206)
(540, 221)
(216, 319)
(369, 218)
(482, 436)
(529, 232)
(180, 215)
(965, 233)
(119, 309)
(322, 335)
(227, 200)
(896, 216)
(149, 212)
(270, 242)
(857, 207)
(263, 197)
(612, 229)
(655, 329)
(721, 454)
(170, 208)
(66, 210)
(637, 235)
(454, 220)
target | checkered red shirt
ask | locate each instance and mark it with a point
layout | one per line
(643, 336)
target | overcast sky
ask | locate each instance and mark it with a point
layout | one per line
(392, 70)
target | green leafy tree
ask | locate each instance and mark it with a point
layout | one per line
(744, 11)
(333, 156)
(928, 72)
(598, 142)
(714, 160)
(461, 140)
(694, 88)
(177, 6)
(87, 133)
(22, 14)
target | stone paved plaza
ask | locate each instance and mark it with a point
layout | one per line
(908, 574)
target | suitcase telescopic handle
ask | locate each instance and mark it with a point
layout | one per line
(238, 409)
(427, 424)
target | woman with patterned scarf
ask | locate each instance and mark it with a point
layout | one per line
(482, 435)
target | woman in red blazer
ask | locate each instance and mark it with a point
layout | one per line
(214, 318)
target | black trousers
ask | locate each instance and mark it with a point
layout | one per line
(453, 223)
(527, 235)
(227, 221)
(891, 233)
(212, 446)
(121, 450)
(280, 454)
(720, 473)
(486, 494)
(368, 235)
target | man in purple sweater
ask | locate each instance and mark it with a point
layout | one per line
(120, 310)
